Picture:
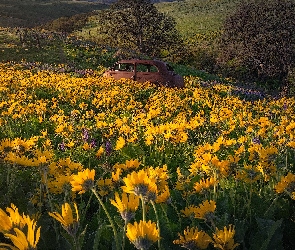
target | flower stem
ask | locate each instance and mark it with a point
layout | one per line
(143, 208)
(124, 233)
(158, 224)
(109, 217)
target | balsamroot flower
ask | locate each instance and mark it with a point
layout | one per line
(83, 181)
(193, 239)
(204, 184)
(140, 184)
(205, 210)
(120, 143)
(24, 241)
(189, 211)
(164, 196)
(100, 152)
(224, 239)
(287, 184)
(14, 219)
(142, 234)
(66, 218)
(127, 205)
(104, 186)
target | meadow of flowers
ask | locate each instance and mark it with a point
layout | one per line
(93, 163)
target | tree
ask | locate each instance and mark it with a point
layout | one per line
(68, 24)
(138, 27)
(259, 38)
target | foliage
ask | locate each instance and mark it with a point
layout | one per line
(205, 162)
(258, 39)
(202, 50)
(68, 24)
(137, 27)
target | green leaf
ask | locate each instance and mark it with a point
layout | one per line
(268, 236)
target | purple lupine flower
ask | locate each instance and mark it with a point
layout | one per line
(85, 134)
(256, 140)
(93, 143)
(62, 146)
(108, 147)
(285, 106)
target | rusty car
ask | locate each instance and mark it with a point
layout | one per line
(154, 71)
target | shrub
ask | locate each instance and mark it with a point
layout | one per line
(68, 24)
(259, 40)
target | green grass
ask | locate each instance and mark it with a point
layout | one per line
(12, 50)
(198, 16)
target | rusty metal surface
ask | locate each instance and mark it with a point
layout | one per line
(153, 71)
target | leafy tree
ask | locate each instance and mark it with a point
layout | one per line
(68, 24)
(259, 39)
(136, 26)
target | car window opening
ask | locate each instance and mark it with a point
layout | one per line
(124, 67)
(146, 68)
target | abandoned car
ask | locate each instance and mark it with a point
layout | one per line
(153, 71)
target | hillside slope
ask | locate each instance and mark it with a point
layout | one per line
(198, 16)
(29, 13)
(192, 16)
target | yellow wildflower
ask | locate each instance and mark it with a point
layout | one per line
(86, 146)
(189, 211)
(140, 183)
(66, 218)
(142, 234)
(120, 143)
(287, 184)
(205, 184)
(116, 174)
(224, 239)
(127, 205)
(83, 181)
(99, 152)
(7, 223)
(22, 241)
(104, 186)
(164, 195)
(194, 239)
(205, 210)
(249, 174)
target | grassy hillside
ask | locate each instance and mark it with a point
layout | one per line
(29, 13)
(198, 16)
(192, 16)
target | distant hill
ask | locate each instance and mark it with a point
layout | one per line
(30, 13)
(192, 16)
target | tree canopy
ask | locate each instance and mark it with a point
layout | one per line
(136, 26)
(259, 38)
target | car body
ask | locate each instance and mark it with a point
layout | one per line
(153, 71)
